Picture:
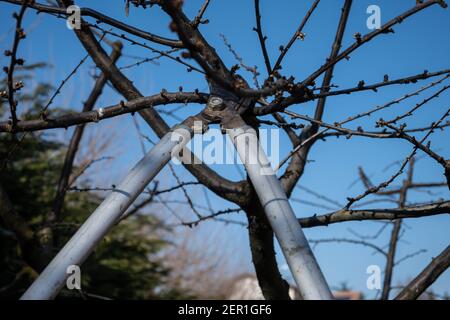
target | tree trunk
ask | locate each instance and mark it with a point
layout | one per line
(272, 284)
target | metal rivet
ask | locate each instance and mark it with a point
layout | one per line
(216, 104)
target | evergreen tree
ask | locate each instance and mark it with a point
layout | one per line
(124, 265)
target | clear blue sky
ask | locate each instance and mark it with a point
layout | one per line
(419, 43)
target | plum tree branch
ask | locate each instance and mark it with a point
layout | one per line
(132, 106)
(376, 214)
(87, 12)
(427, 277)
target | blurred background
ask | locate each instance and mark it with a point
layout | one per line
(156, 253)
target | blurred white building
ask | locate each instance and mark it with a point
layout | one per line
(246, 287)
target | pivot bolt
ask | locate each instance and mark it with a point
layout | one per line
(216, 104)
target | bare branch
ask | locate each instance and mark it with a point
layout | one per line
(262, 38)
(75, 141)
(426, 278)
(297, 35)
(198, 18)
(376, 214)
(106, 19)
(135, 105)
(19, 34)
(386, 28)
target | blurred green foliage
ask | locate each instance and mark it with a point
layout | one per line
(126, 264)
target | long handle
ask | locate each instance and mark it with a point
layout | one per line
(295, 247)
(52, 279)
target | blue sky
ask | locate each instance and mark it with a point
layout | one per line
(420, 42)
